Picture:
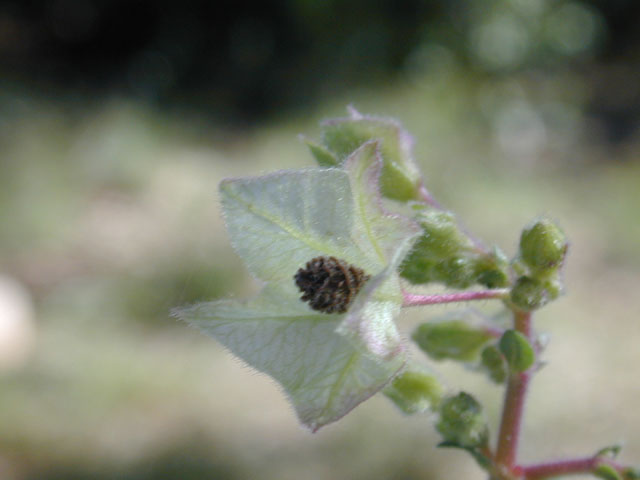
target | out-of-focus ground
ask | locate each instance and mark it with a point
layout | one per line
(109, 217)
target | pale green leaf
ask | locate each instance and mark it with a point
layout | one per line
(279, 222)
(327, 363)
(324, 375)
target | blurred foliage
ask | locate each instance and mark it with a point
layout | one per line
(248, 60)
(109, 168)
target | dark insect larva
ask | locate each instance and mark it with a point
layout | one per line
(329, 284)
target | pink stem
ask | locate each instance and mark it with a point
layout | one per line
(513, 409)
(415, 300)
(428, 198)
(565, 467)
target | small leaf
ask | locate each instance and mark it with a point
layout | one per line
(610, 451)
(517, 350)
(606, 472)
(452, 339)
(415, 391)
(462, 422)
(494, 363)
(323, 156)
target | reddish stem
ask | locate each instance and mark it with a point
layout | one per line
(513, 408)
(415, 300)
(427, 198)
(566, 467)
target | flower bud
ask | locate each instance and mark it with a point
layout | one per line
(543, 245)
(415, 391)
(456, 272)
(491, 270)
(462, 422)
(494, 363)
(517, 351)
(451, 339)
(529, 293)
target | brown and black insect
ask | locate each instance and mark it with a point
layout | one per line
(329, 284)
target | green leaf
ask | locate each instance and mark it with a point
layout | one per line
(610, 451)
(415, 391)
(324, 375)
(400, 176)
(323, 156)
(462, 422)
(280, 221)
(517, 350)
(327, 363)
(451, 339)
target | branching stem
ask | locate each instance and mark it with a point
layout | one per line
(567, 467)
(513, 408)
(415, 300)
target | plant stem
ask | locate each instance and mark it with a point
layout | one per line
(513, 408)
(415, 300)
(427, 198)
(566, 467)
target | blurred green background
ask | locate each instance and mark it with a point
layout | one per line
(118, 120)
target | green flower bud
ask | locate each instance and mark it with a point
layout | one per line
(554, 286)
(543, 245)
(419, 269)
(415, 391)
(443, 253)
(462, 422)
(456, 272)
(491, 270)
(529, 293)
(452, 339)
(494, 363)
(517, 351)
(442, 238)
